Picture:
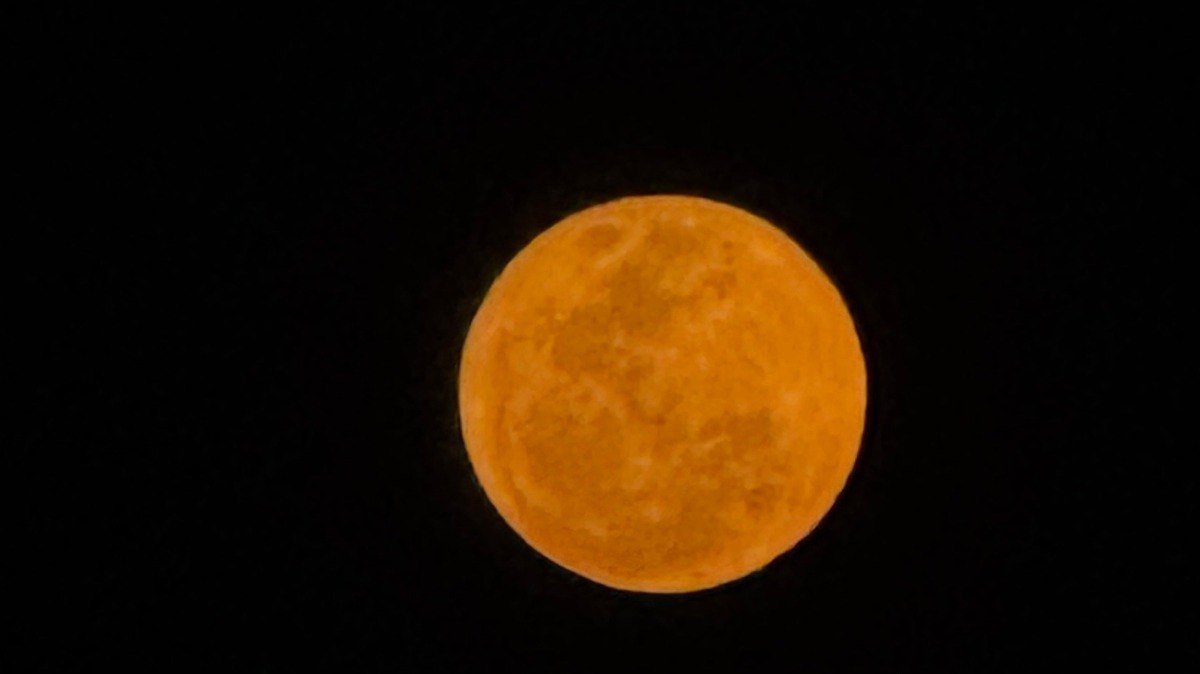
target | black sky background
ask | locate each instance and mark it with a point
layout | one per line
(254, 250)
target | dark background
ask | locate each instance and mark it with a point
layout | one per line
(256, 249)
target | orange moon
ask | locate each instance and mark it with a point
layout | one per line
(662, 393)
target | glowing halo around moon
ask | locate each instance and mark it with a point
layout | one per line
(662, 393)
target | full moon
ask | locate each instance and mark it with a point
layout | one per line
(662, 393)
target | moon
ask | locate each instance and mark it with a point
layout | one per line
(662, 393)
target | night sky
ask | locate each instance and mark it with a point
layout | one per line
(255, 246)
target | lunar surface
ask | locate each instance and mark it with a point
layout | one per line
(662, 393)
